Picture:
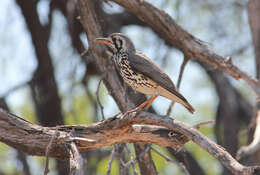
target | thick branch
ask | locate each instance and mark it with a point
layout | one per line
(34, 139)
(176, 36)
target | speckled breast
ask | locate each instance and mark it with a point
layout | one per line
(136, 80)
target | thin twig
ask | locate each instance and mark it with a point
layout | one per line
(76, 160)
(98, 99)
(131, 159)
(184, 63)
(111, 158)
(9, 91)
(46, 169)
(172, 161)
(197, 126)
(147, 148)
(84, 53)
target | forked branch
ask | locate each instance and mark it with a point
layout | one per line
(161, 130)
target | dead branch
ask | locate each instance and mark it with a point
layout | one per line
(34, 139)
(174, 35)
(172, 161)
(98, 99)
(111, 158)
(254, 146)
(46, 169)
(76, 160)
(131, 160)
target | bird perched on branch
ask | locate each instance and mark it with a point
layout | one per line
(139, 72)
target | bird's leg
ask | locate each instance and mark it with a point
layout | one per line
(145, 104)
(150, 101)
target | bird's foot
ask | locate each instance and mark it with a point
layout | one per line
(130, 111)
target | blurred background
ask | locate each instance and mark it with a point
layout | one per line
(45, 77)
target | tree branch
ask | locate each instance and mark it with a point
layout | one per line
(254, 146)
(76, 160)
(34, 139)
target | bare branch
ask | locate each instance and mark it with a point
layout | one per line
(254, 146)
(11, 90)
(197, 126)
(98, 99)
(76, 160)
(34, 139)
(170, 160)
(46, 169)
(131, 160)
(111, 158)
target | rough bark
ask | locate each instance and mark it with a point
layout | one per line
(16, 132)
(33, 139)
(20, 155)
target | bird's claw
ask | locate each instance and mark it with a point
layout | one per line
(130, 111)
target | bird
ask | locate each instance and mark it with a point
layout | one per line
(140, 72)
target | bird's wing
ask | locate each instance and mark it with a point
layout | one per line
(140, 63)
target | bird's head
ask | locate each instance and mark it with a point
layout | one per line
(118, 42)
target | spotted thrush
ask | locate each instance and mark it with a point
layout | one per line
(139, 72)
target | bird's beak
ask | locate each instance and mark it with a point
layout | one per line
(103, 40)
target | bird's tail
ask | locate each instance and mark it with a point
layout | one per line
(177, 97)
(188, 107)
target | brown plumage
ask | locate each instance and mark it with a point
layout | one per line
(139, 72)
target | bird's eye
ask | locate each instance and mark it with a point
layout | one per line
(117, 43)
(113, 39)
